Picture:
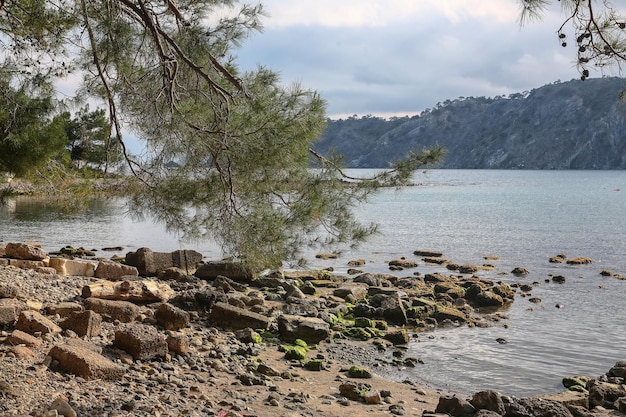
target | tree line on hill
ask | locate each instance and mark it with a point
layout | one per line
(563, 125)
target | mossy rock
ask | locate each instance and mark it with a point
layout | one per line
(363, 322)
(301, 343)
(575, 383)
(295, 352)
(315, 365)
(360, 333)
(359, 372)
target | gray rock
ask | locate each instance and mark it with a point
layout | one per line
(85, 363)
(150, 263)
(233, 270)
(226, 315)
(171, 317)
(31, 321)
(85, 323)
(488, 400)
(310, 329)
(141, 341)
(123, 311)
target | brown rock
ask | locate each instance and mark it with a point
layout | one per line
(9, 291)
(178, 344)
(32, 321)
(64, 309)
(10, 310)
(225, 315)
(85, 363)
(114, 271)
(150, 263)
(143, 291)
(72, 267)
(84, 323)
(141, 341)
(233, 270)
(123, 311)
(310, 329)
(30, 252)
(46, 270)
(18, 337)
(171, 317)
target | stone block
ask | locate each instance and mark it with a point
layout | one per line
(355, 290)
(114, 271)
(178, 344)
(4, 262)
(171, 317)
(233, 270)
(46, 270)
(310, 329)
(73, 267)
(226, 315)
(85, 363)
(112, 310)
(18, 337)
(26, 264)
(26, 251)
(150, 263)
(141, 342)
(10, 310)
(32, 322)
(64, 309)
(85, 323)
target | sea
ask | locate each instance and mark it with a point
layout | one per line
(521, 217)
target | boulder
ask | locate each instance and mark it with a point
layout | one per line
(355, 290)
(114, 271)
(233, 270)
(26, 264)
(64, 309)
(26, 251)
(310, 329)
(73, 267)
(18, 337)
(604, 394)
(31, 322)
(226, 315)
(85, 363)
(537, 407)
(112, 310)
(488, 400)
(389, 307)
(142, 342)
(142, 291)
(85, 323)
(149, 263)
(455, 406)
(171, 317)
(10, 310)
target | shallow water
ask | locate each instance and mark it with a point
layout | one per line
(524, 217)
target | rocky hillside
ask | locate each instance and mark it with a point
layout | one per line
(565, 125)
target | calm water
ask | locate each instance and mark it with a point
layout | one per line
(524, 217)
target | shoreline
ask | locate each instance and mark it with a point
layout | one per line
(213, 368)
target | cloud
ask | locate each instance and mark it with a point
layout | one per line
(402, 56)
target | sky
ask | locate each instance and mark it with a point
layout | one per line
(398, 57)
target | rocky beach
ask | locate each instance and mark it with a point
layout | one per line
(174, 334)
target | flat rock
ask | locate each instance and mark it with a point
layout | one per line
(85, 363)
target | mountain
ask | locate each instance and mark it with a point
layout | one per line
(564, 125)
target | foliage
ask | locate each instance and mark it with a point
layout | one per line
(28, 136)
(88, 140)
(241, 141)
(599, 30)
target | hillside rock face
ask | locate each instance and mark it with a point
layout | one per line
(564, 125)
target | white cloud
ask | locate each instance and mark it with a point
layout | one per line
(402, 56)
(378, 13)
